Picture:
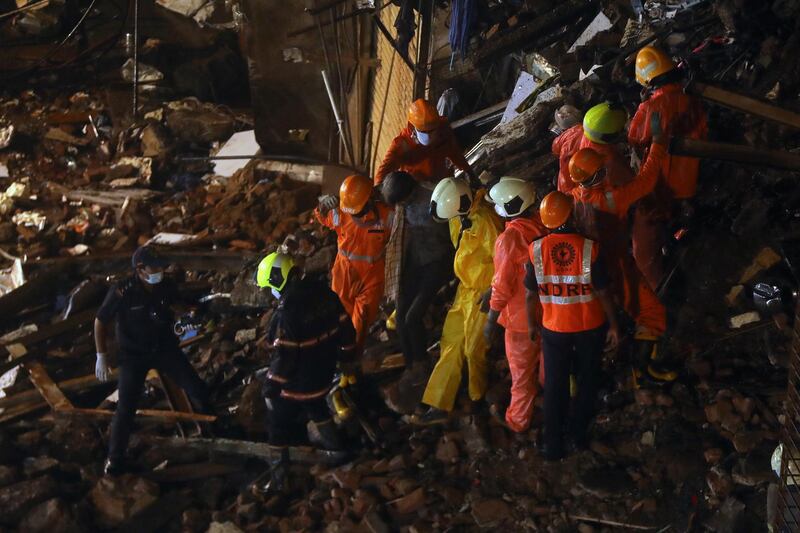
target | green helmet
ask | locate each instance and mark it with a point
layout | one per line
(273, 271)
(604, 122)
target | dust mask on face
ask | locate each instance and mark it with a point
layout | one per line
(275, 293)
(424, 138)
(154, 278)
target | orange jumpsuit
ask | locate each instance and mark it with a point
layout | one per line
(508, 299)
(425, 163)
(564, 147)
(681, 115)
(613, 203)
(358, 271)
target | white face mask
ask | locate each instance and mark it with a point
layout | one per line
(154, 278)
(275, 293)
(423, 138)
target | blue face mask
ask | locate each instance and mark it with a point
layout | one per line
(153, 279)
(424, 138)
(275, 293)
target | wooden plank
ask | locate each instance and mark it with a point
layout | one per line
(53, 330)
(47, 387)
(746, 104)
(163, 416)
(41, 380)
(734, 152)
(191, 472)
(261, 450)
(69, 385)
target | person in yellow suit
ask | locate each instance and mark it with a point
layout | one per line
(473, 230)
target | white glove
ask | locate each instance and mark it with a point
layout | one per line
(101, 370)
(327, 203)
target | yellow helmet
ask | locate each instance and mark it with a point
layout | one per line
(603, 123)
(651, 63)
(273, 271)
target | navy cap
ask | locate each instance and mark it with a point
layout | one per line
(147, 256)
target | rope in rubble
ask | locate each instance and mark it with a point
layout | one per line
(463, 15)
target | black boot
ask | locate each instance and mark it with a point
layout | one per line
(279, 471)
(329, 436)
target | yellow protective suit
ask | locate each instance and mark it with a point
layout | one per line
(462, 336)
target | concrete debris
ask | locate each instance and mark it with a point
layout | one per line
(147, 74)
(116, 500)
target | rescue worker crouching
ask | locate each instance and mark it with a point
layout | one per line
(473, 229)
(567, 277)
(610, 204)
(514, 201)
(310, 335)
(362, 227)
(141, 307)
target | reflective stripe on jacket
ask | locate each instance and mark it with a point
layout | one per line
(562, 263)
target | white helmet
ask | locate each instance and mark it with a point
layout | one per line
(567, 116)
(451, 197)
(512, 196)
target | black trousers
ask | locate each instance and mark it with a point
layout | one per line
(564, 352)
(287, 419)
(133, 370)
(418, 287)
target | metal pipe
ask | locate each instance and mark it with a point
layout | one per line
(342, 92)
(135, 59)
(339, 121)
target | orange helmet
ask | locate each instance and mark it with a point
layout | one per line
(651, 63)
(584, 164)
(354, 194)
(555, 209)
(423, 115)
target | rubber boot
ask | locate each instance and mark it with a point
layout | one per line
(279, 471)
(648, 360)
(329, 436)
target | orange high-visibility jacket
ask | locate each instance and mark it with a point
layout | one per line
(425, 163)
(508, 283)
(681, 115)
(562, 263)
(617, 200)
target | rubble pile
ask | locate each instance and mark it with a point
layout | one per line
(80, 190)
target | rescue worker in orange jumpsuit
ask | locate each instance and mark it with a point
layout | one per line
(566, 276)
(601, 129)
(681, 115)
(514, 201)
(567, 142)
(362, 227)
(424, 147)
(609, 207)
